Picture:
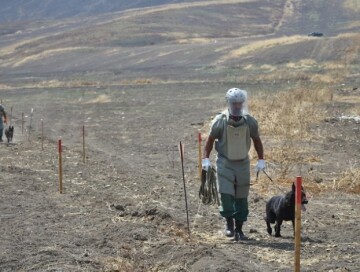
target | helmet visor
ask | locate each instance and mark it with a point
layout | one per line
(236, 108)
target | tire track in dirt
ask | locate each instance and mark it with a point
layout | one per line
(288, 12)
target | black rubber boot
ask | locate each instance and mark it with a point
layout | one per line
(229, 231)
(239, 235)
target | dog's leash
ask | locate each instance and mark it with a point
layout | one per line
(257, 176)
(268, 176)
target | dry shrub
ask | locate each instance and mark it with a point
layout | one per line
(287, 114)
(304, 63)
(326, 78)
(278, 75)
(118, 264)
(268, 67)
(103, 98)
(4, 87)
(331, 65)
(194, 40)
(55, 83)
(285, 117)
(349, 180)
(138, 81)
(286, 156)
(177, 232)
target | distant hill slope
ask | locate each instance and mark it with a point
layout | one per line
(188, 39)
(29, 10)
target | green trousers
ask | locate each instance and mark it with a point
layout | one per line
(234, 207)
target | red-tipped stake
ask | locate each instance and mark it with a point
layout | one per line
(200, 155)
(60, 167)
(11, 110)
(297, 223)
(183, 175)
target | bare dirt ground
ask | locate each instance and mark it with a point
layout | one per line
(138, 97)
(123, 210)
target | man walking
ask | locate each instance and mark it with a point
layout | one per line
(232, 131)
(2, 115)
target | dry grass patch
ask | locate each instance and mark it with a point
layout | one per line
(350, 25)
(179, 6)
(277, 75)
(4, 87)
(325, 78)
(286, 117)
(333, 65)
(46, 54)
(138, 81)
(352, 4)
(304, 63)
(103, 98)
(195, 41)
(268, 67)
(287, 114)
(260, 45)
(351, 99)
(118, 264)
(55, 83)
(348, 35)
(10, 49)
(349, 180)
(249, 67)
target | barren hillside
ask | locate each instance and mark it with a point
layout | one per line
(20, 10)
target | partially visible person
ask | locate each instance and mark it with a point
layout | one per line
(3, 119)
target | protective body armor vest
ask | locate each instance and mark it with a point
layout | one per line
(236, 142)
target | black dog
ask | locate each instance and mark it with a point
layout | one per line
(282, 208)
(9, 133)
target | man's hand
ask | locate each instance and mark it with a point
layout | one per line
(5, 120)
(206, 164)
(260, 165)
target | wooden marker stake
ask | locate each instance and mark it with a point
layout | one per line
(11, 110)
(31, 116)
(22, 123)
(297, 223)
(60, 167)
(83, 136)
(181, 149)
(42, 134)
(200, 155)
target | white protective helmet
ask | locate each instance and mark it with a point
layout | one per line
(236, 100)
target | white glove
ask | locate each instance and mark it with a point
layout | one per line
(206, 164)
(260, 165)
